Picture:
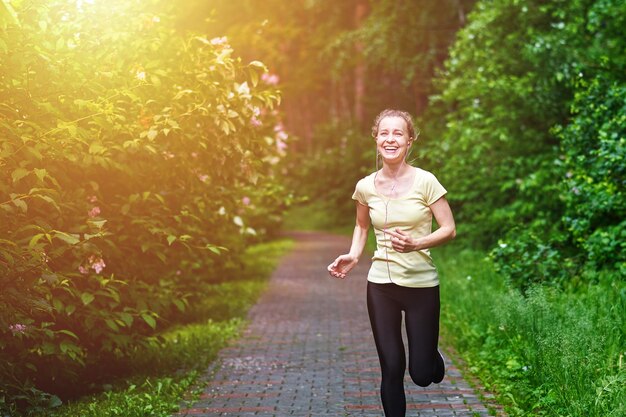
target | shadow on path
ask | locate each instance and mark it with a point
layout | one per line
(308, 350)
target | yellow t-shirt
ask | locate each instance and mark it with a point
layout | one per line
(411, 214)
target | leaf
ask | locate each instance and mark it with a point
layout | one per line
(87, 298)
(41, 173)
(215, 249)
(149, 320)
(126, 318)
(19, 173)
(96, 149)
(152, 134)
(67, 332)
(54, 401)
(68, 238)
(50, 278)
(182, 93)
(35, 239)
(238, 221)
(98, 223)
(21, 204)
(7, 13)
(112, 325)
(180, 305)
(161, 256)
(258, 64)
(49, 200)
(171, 239)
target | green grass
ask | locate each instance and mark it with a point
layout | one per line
(170, 368)
(549, 353)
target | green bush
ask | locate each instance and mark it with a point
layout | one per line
(531, 115)
(594, 145)
(137, 161)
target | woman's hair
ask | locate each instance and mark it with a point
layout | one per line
(395, 113)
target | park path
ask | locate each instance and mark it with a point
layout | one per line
(308, 350)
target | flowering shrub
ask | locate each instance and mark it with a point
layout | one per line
(134, 159)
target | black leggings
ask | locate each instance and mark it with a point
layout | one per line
(385, 303)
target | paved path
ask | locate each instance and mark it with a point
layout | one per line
(309, 351)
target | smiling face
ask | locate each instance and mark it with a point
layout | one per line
(393, 139)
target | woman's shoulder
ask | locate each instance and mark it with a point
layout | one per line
(424, 174)
(367, 178)
(366, 182)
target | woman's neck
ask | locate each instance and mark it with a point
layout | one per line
(395, 170)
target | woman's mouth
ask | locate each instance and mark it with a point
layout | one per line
(390, 149)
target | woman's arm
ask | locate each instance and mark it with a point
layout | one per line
(402, 242)
(344, 263)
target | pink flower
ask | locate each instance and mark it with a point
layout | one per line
(281, 145)
(246, 201)
(255, 122)
(203, 177)
(18, 328)
(270, 79)
(282, 136)
(83, 270)
(92, 198)
(94, 211)
(97, 263)
(219, 41)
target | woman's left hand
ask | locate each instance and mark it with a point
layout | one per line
(401, 242)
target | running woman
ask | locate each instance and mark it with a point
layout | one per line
(400, 200)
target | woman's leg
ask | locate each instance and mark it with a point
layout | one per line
(386, 319)
(421, 307)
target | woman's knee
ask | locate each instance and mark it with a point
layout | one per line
(393, 370)
(421, 375)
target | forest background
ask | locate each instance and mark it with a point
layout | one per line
(145, 145)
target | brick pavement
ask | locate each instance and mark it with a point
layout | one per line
(308, 350)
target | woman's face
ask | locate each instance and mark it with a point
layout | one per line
(393, 139)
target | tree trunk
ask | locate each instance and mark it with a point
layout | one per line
(359, 70)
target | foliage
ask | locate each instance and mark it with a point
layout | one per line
(531, 119)
(403, 42)
(161, 377)
(325, 176)
(546, 353)
(136, 161)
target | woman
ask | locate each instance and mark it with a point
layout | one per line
(399, 200)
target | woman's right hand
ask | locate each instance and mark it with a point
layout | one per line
(342, 265)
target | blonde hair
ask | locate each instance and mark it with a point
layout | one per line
(395, 113)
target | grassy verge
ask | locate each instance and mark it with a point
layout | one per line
(171, 367)
(549, 353)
